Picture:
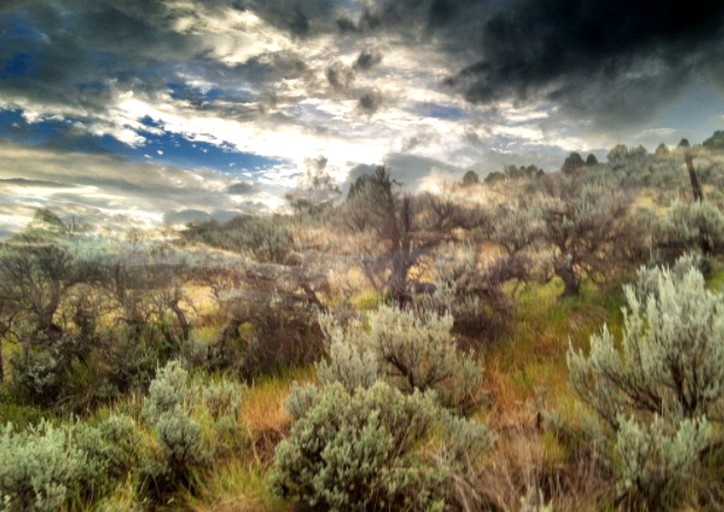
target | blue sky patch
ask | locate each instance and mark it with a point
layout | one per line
(19, 64)
(165, 148)
(177, 150)
(15, 128)
(15, 28)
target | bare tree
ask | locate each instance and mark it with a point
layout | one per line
(375, 205)
(583, 222)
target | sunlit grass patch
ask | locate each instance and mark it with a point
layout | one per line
(123, 498)
(367, 300)
(263, 411)
(235, 487)
(716, 281)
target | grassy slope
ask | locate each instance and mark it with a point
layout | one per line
(524, 373)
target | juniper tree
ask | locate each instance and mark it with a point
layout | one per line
(374, 206)
(470, 178)
(572, 163)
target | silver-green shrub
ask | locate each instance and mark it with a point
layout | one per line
(37, 468)
(651, 456)
(672, 353)
(45, 467)
(372, 449)
(177, 406)
(180, 438)
(352, 361)
(693, 223)
(412, 351)
(118, 449)
(221, 398)
(167, 409)
(301, 400)
(657, 392)
(168, 391)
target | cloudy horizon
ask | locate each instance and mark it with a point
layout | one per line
(169, 111)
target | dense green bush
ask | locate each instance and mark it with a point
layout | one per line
(46, 467)
(178, 408)
(373, 449)
(167, 409)
(411, 351)
(659, 391)
(696, 224)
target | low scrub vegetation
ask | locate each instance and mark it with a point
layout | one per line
(555, 345)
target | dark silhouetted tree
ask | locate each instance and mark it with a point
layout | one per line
(662, 150)
(573, 162)
(470, 178)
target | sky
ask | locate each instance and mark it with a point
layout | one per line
(145, 112)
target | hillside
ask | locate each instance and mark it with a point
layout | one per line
(529, 341)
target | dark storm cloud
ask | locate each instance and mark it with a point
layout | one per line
(612, 56)
(616, 59)
(75, 50)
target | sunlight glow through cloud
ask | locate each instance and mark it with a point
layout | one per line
(225, 91)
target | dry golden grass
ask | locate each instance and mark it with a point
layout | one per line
(239, 484)
(237, 487)
(263, 412)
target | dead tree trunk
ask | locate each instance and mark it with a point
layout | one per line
(695, 185)
(698, 194)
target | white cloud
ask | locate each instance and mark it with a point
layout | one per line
(301, 116)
